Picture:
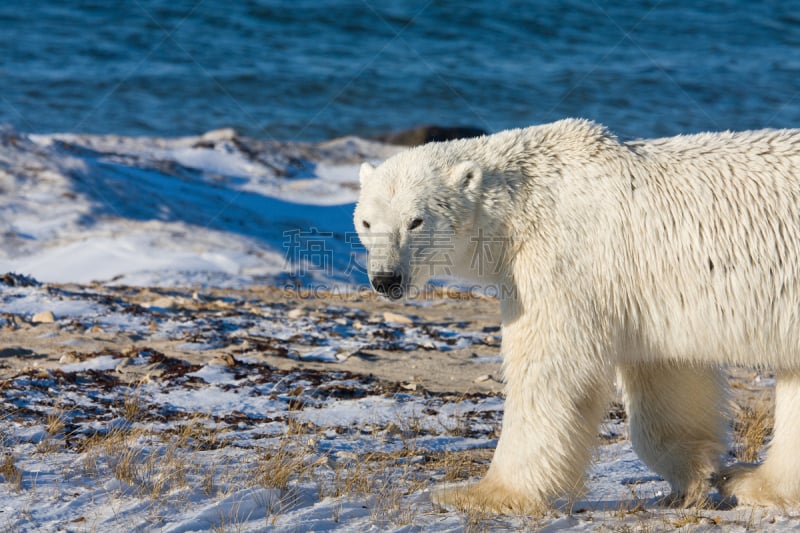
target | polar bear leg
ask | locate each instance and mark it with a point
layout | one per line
(677, 423)
(775, 482)
(556, 395)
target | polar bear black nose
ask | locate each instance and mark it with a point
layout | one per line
(388, 283)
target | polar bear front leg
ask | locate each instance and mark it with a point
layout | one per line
(775, 482)
(557, 390)
(677, 423)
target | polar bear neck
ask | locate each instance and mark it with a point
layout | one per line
(519, 163)
(527, 173)
(526, 170)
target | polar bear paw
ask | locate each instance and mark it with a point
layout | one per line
(487, 496)
(749, 485)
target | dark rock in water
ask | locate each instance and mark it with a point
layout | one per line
(12, 279)
(426, 134)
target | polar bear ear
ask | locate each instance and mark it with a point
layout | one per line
(466, 175)
(365, 172)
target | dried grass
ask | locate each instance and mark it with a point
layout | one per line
(12, 474)
(752, 428)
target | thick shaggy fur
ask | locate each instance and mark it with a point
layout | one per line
(660, 260)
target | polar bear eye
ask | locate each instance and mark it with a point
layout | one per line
(417, 222)
(365, 224)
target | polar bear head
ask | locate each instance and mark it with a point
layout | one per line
(413, 215)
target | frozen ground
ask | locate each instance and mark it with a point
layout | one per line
(261, 409)
(180, 386)
(184, 410)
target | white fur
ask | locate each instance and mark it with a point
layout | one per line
(663, 259)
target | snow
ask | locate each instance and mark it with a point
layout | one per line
(159, 211)
(104, 362)
(249, 505)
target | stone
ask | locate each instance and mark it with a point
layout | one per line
(397, 318)
(429, 133)
(44, 317)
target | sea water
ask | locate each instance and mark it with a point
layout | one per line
(316, 69)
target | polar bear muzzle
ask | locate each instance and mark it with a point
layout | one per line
(388, 284)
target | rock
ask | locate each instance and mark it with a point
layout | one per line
(18, 280)
(133, 372)
(295, 313)
(491, 340)
(68, 358)
(222, 134)
(343, 355)
(388, 316)
(44, 317)
(224, 359)
(429, 133)
(164, 302)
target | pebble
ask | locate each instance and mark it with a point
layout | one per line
(68, 358)
(224, 359)
(388, 316)
(343, 355)
(44, 317)
(295, 313)
(164, 302)
(222, 134)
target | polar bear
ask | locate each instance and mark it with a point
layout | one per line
(661, 260)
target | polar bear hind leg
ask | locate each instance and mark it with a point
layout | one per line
(775, 482)
(677, 423)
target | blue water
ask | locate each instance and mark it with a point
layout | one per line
(316, 69)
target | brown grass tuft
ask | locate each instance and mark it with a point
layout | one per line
(54, 422)
(752, 428)
(11, 472)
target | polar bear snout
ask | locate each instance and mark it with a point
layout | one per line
(388, 284)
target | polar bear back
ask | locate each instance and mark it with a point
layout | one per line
(715, 251)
